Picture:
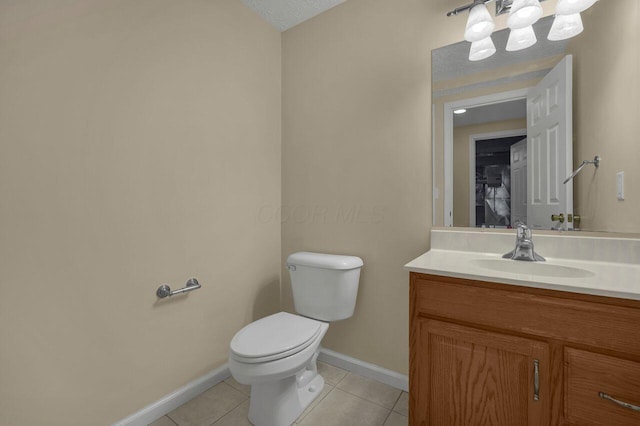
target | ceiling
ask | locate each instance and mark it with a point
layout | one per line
(284, 14)
(494, 112)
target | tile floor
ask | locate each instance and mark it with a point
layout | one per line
(346, 400)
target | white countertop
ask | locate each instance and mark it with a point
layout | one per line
(605, 278)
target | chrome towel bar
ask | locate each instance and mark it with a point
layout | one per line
(164, 290)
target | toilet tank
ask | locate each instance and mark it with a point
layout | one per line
(324, 286)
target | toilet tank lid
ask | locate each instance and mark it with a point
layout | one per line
(325, 261)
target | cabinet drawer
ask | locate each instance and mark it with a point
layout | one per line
(587, 375)
(521, 310)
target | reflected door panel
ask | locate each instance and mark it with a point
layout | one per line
(519, 182)
(549, 151)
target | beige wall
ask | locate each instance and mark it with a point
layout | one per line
(461, 178)
(357, 139)
(607, 90)
(356, 149)
(139, 141)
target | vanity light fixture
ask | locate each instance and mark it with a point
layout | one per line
(482, 49)
(524, 13)
(565, 26)
(568, 22)
(521, 38)
(478, 30)
(480, 25)
(569, 7)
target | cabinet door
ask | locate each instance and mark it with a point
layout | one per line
(470, 377)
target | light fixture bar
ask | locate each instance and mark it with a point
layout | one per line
(502, 6)
(467, 7)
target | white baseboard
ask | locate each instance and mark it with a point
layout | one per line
(372, 371)
(189, 391)
(176, 398)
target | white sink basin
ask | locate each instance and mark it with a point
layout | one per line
(532, 268)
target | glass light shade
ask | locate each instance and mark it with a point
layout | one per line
(479, 24)
(482, 49)
(524, 13)
(565, 26)
(571, 7)
(521, 38)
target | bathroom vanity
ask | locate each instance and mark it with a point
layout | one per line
(556, 343)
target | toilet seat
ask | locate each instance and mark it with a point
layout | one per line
(274, 337)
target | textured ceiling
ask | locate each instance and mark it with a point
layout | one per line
(284, 14)
(495, 112)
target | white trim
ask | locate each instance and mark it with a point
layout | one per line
(472, 164)
(372, 371)
(434, 191)
(448, 139)
(170, 402)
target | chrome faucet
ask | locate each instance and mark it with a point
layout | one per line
(524, 246)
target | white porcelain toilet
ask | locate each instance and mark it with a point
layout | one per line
(277, 354)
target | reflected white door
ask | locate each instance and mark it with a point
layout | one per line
(549, 148)
(519, 182)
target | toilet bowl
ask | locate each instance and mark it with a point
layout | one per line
(277, 354)
(286, 377)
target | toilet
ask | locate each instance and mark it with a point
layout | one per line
(277, 354)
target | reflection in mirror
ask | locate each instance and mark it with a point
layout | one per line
(486, 172)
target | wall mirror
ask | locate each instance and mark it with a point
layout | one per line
(496, 162)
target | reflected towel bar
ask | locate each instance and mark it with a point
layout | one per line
(164, 290)
(595, 162)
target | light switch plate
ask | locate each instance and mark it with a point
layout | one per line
(620, 185)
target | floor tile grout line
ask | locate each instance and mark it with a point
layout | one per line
(364, 399)
(229, 412)
(223, 416)
(170, 419)
(174, 422)
(396, 403)
(342, 378)
(239, 390)
(387, 418)
(316, 406)
(398, 398)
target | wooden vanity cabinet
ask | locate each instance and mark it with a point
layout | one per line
(492, 354)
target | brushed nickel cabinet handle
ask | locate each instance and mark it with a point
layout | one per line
(536, 380)
(620, 403)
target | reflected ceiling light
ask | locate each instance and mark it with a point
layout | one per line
(524, 13)
(479, 24)
(459, 111)
(482, 49)
(571, 7)
(521, 38)
(565, 26)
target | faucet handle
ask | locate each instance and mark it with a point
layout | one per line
(523, 231)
